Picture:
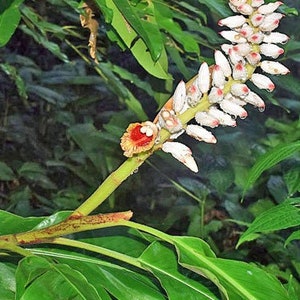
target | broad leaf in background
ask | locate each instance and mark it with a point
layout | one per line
(282, 216)
(270, 159)
(136, 43)
(9, 19)
(235, 279)
(35, 273)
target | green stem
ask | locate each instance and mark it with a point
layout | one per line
(100, 250)
(202, 213)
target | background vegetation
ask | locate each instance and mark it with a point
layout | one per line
(62, 116)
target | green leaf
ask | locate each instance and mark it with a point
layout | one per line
(294, 236)
(282, 216)
(236, 280)
(39, 278)
(292, 180)
(10, 223)
(217, 6)
(162, 262)
(89, 139)
(6, 173)
(136, 44)
(12, 72)
(9, 20)
(143, 22)
(270, 159)
(7, 282)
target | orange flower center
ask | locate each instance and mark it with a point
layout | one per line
(139, 138)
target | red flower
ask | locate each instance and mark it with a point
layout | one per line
(139, 137)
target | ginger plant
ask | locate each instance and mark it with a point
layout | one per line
(215, 96)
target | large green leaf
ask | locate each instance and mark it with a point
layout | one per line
(142, 20)
(7, 282)
(162, 262)
(270, 159)
(39, 278)
(6, 173)
(136, 44)
(236, 280)
(9, 19)
(282, 216)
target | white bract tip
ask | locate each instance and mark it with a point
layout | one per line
(269, 8)
(276, 37)
(204, 119)
(223, 118)
(253, 58)
(235, 57)
(193, 94)
(239, 89)
(203, 80)
(256, 38)
(271, 50)
(239, 72)
(257, 3)
(242, 49)
(245, 9)
(257, 19)
(201, 134)
(218, 77)
(223, 62)
(182, 153)
(237, 2)
(274, 68)
(179, 97)
(232, 36)
(271, 22)
(262, 82)
(215, 95)
(234, 109)
(232, 21)
(255, 100)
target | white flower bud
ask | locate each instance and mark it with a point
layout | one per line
(203, 79)
(232, 7)
(274, 68)
(271, 50)
(218, 77)
(262, 82)
(239, 72)
(256, 38)
(271, 22)
(253, 58)
(269, 8)
(257, 19)
(182, 153)
(253, 99)
(223, 118)
(193, 95)
(235, 57)
(226, 47)
(215, 95)
(233, 21)
(239, 89)
(233, 109)
(204, 119)
(245, 9)
(276, 37)
(257, 3)
(179, 97)
(242, 49)
(201, 134)
(237, 2)
(222, 61)
(232, 36)
(245, 31)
